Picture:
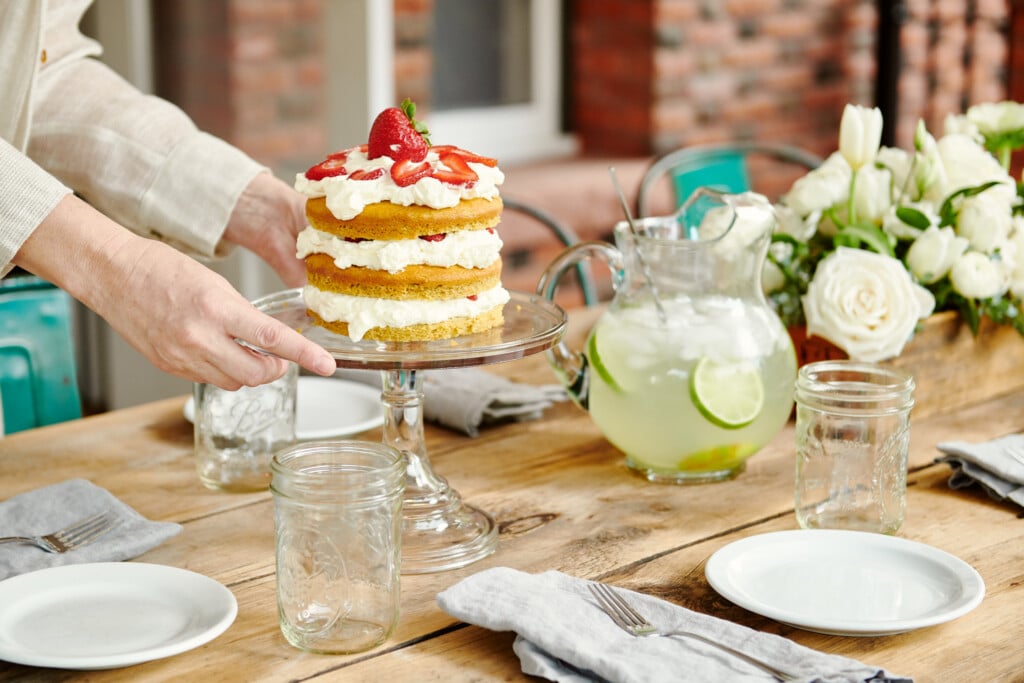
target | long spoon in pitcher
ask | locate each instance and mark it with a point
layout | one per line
(644, 269)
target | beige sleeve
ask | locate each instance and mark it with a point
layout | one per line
(136, 158)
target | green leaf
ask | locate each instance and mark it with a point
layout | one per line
(948, 212)
(913, 217)
(870, 235)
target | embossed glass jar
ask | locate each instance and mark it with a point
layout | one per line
(338, 521)
(237, 432)
(852, 441)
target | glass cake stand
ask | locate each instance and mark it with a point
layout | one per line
(439, 532)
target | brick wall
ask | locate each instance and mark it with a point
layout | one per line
(646, 76)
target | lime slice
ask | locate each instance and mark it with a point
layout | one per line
(730, 395)
(599, 367)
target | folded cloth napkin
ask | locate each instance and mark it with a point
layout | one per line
(45, 510)
(564, 636)
(997, 465)
(466, 399)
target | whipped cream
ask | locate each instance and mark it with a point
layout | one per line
(346, 198)
(363, 313)
(466, 248)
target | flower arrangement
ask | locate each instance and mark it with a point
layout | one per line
(877, 238)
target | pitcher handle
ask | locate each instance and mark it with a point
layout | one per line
(570, 365)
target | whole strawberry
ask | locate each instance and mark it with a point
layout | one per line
(397, 134)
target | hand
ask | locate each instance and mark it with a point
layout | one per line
(267, 219)
(182, 316)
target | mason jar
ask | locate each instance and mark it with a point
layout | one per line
(852, 442)
(237, 432)
(338, 525)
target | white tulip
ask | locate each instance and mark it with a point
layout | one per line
(872, 194)
(860, 133)
(984, 221)
(976, 276)
(933, 253)
(820, 188)
(865, 303)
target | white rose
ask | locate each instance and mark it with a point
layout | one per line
(1013, 256)
(976, 276)
(860, 133)
(993, 118)
(959, 124)
(865, 303)
(985, 221)
(933, 253)
(821, 187)
(967, 164)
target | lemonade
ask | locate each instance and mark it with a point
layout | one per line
(690, 397)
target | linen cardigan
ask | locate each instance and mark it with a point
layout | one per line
(69, 123)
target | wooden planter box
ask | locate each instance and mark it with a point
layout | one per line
(951, 367)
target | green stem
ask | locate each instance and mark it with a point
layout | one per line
(1005, 152)
(851, 208)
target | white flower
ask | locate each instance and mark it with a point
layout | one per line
(871, 194)
(928, 169)
(993, 118)
(1013, 257)
(933, 253)
(860, 133)
(976, 276)
(984, 221)
(967, 164)
(959, 124)
(865, 303)
(899, 164)
(895, 226)
(820, 188)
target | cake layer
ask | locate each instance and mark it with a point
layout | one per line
(372, 317)
(420, 332)
(466, 248)
(387, 221)
(414, 282)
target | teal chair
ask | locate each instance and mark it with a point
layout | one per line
(723, 167)
(38, 380)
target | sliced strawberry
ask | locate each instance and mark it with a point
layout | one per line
(437, 237)
(397, 134)
(492, 231)
(406, 172)
(367, 174)
(328, 168)
(355, 240)
(465, 154)
(472, 297)
(458, 171)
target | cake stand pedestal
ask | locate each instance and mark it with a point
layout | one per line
(439, 531)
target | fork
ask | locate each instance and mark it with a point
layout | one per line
(71, 537)
(632, 622)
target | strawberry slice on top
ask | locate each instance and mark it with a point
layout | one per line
(397, 134)
(457, 172)
(333, 165)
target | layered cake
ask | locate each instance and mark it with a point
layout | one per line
(401, 243)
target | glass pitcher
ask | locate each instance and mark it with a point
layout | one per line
(689, 371)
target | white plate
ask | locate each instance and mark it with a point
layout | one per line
(849, 583)
(329, 408)
(109, 614)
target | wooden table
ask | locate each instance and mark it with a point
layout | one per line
(564, 500)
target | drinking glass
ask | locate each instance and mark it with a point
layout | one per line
(338, 526)
(852, 441)
(237, 432)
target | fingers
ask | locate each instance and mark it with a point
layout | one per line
(277, 338)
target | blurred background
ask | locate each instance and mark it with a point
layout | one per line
(557, 90)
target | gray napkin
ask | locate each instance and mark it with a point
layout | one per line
(466, 399)
(54, 507)
(997, 465)
(564, 636)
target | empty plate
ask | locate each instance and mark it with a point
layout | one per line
(109, 614)
(850, 583)
(329, 408)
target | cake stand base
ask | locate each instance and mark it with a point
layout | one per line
(439, 531)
